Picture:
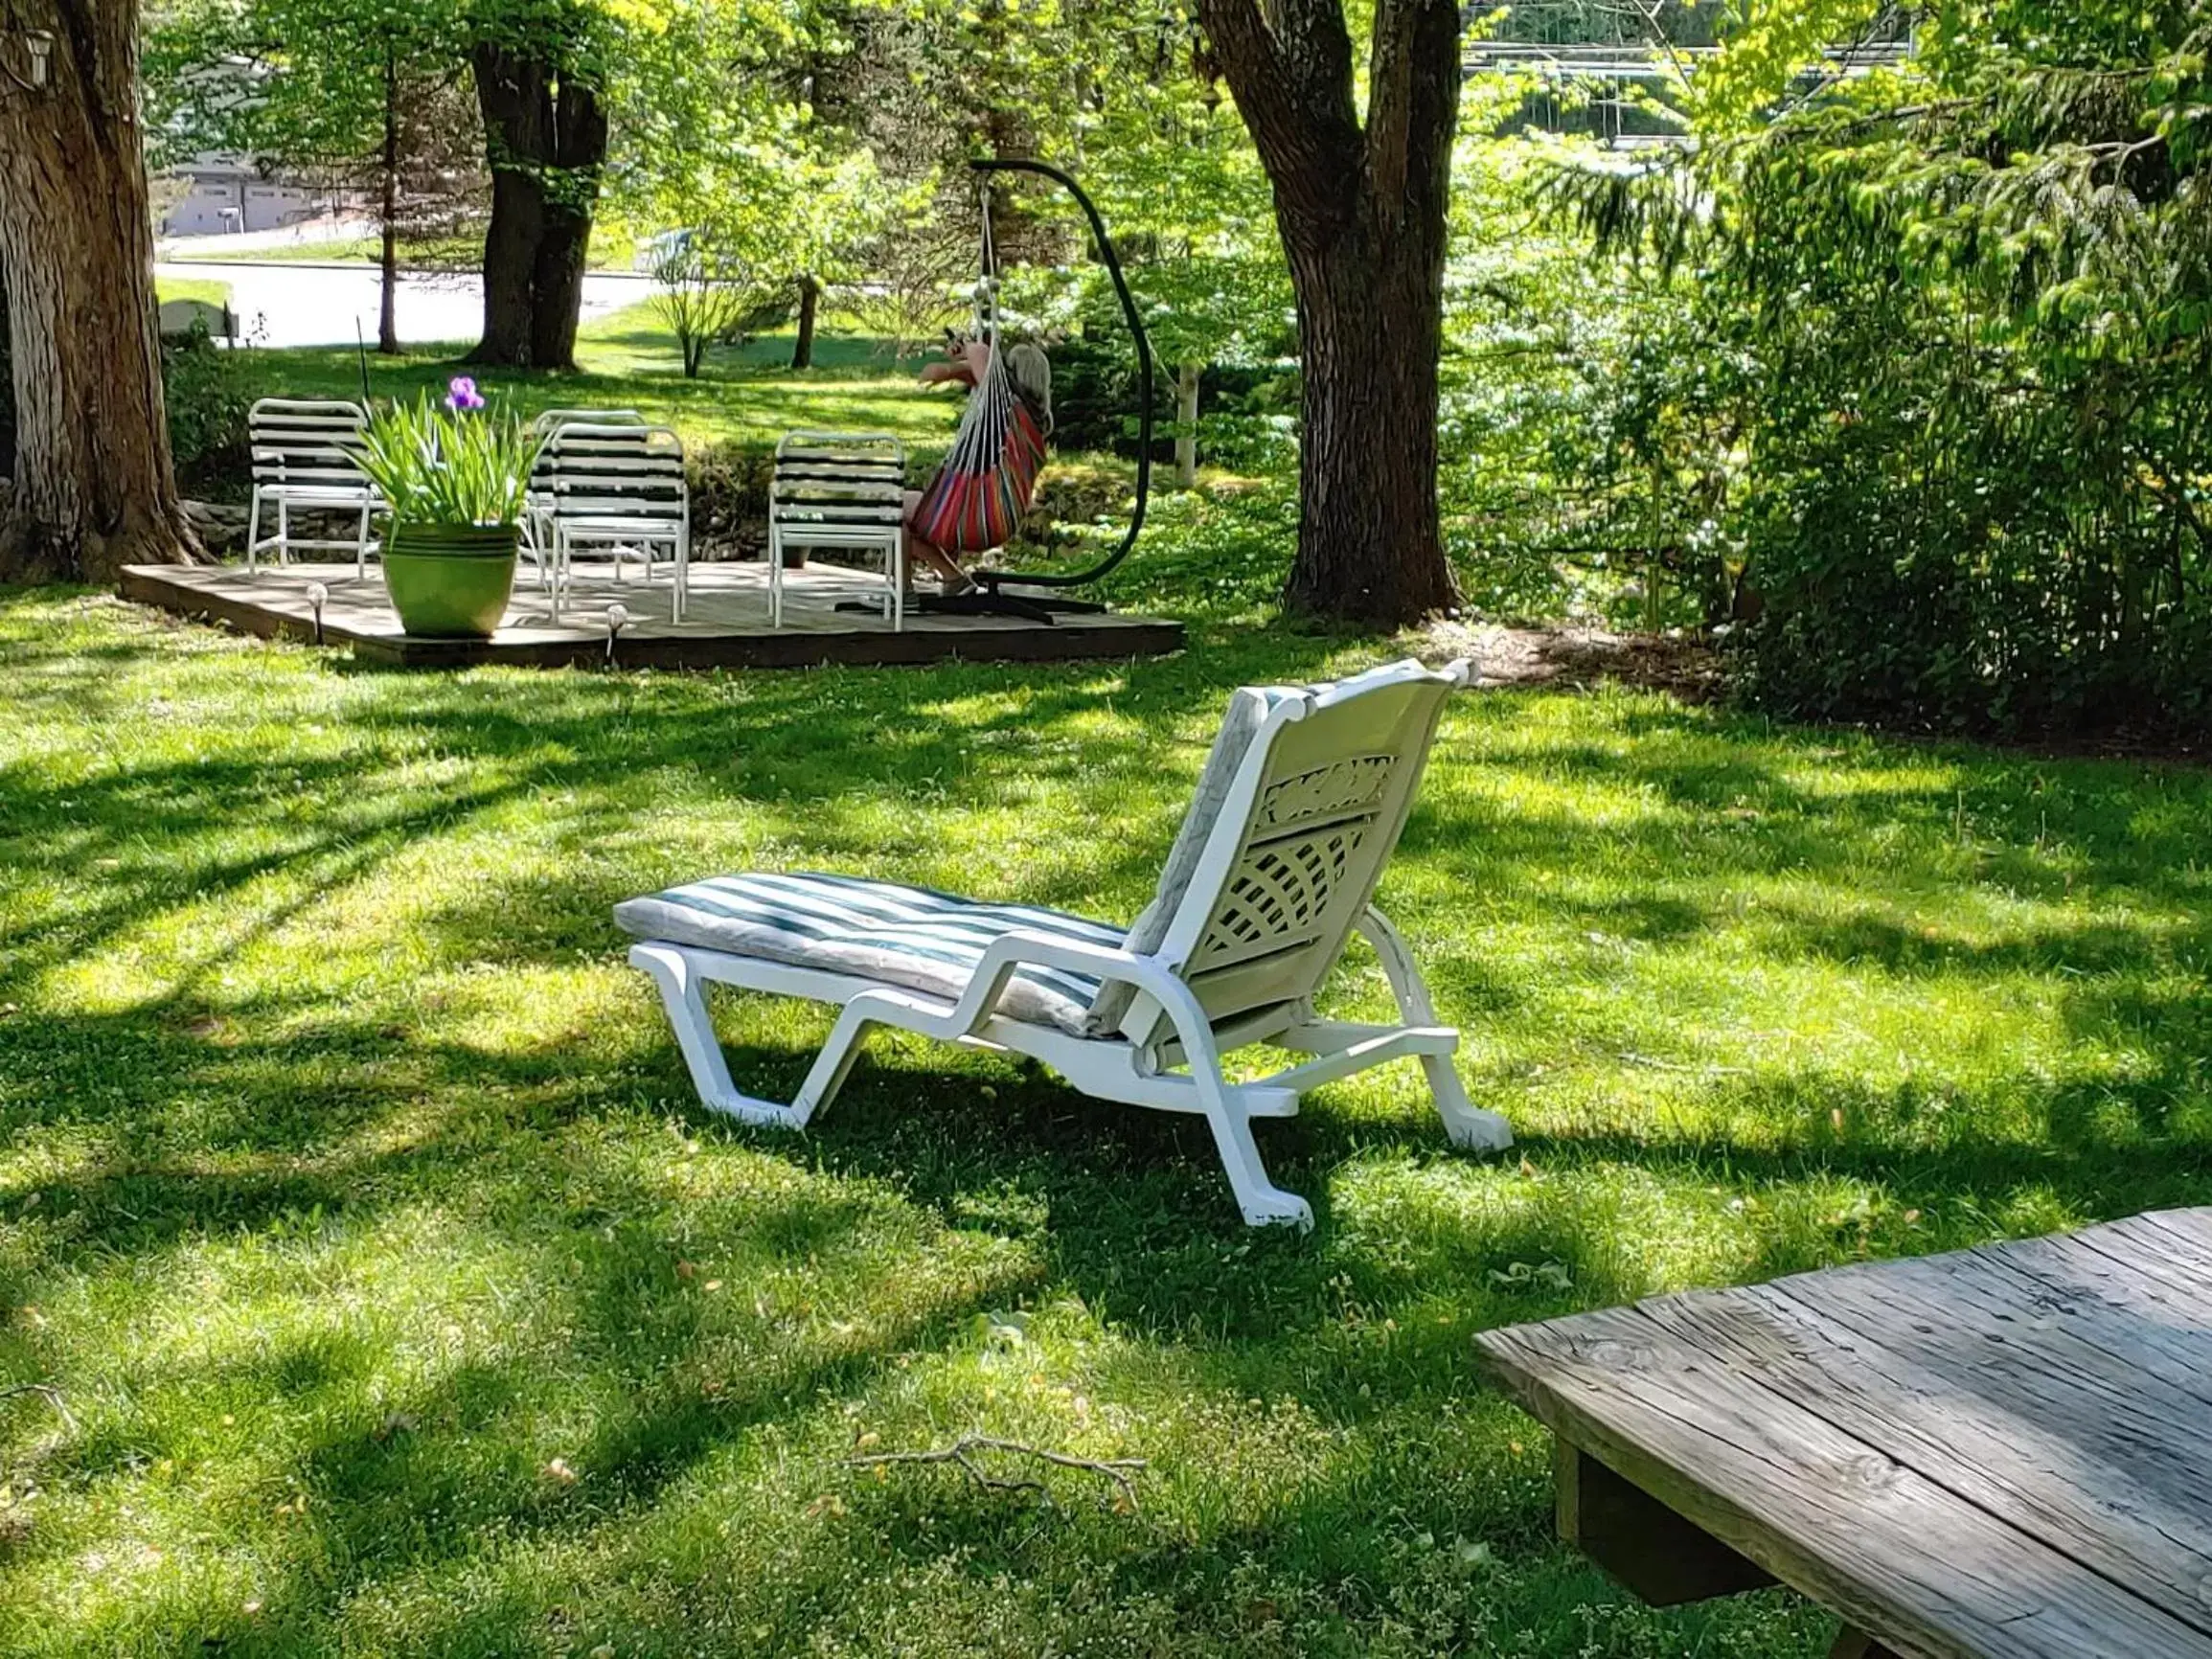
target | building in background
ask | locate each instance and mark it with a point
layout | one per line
(220, 195)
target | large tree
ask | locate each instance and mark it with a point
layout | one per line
(1363, 209)
(541, 68)
(94, 488)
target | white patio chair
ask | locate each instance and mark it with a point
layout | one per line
(302, 453)
(843, 490)
(1299, 806)
(543, 423)
(537, 497)
(622, 487)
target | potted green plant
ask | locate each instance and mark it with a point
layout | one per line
(454, 476)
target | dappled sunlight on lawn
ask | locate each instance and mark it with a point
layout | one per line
(403, 1299)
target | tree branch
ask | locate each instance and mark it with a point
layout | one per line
(962, 1454)
(1292, 83)
(45, 1391)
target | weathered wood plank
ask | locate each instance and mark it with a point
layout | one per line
(2166, 1254)
(2153, 1327)
(1952, 1367)
(1898, 1556)
(1638, 1540)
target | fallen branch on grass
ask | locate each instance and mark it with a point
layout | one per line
(45, 1391)
(963, 1453)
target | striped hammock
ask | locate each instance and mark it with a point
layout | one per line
(977, 498)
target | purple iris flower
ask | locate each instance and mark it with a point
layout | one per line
(460, 393)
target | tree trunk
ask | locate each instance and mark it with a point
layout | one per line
(556, 281)
(388, 305)
(509, 255)
(1362, 213)
(1370, 328)
(1187, 424)
(545, 138)
(809, 298)
(94, 486)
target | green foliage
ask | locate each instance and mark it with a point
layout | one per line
(1975, 303)
(1588, 448)
(1175, 175)
(1576, 446)
(714, 135)
(207, 393)
(308, 86)
(1940, 351)
(1771, 42)
(437, 465)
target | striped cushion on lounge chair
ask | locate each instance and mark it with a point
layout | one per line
(915, 937)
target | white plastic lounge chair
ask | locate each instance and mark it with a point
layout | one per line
(1299, 806)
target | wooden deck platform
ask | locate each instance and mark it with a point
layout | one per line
(2000, 1453)
(725, 625)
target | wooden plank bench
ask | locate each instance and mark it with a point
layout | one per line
(2001, 1452)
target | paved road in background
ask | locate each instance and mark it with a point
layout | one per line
(310, 305)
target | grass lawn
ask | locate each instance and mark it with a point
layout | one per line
(205, 290)
(615, 252)
(403, 1301)
(436, 255)
(629, 360)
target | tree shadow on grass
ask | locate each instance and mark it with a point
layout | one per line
(619, 1377)
(321, 1117)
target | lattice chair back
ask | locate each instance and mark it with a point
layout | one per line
(1294, 849)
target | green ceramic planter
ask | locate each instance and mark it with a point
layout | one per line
(451, 582)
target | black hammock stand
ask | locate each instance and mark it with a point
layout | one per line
(1048, 589)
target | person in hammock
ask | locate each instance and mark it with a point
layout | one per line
(978, 494)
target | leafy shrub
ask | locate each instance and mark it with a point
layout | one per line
(204, 388)
(1955, 554)
(1247, 414)
(1094, 396)
(1945, 370)
(1975, 397)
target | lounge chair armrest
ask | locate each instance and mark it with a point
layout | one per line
(1023, 947)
